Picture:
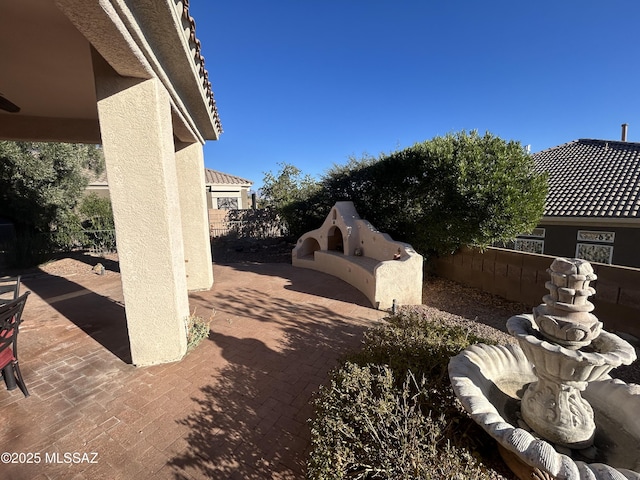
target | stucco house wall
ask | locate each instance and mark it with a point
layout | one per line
(129, 75)
(218, 186)
(571, 240)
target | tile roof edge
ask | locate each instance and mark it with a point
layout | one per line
(600, 140)
(198, 59)
(244, 180)
(557, 147)
(591, 140)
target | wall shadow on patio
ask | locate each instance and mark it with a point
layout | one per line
(100, 317)
(307, 281)
(251, 420)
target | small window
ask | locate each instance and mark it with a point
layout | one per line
(593, 236)
(529, 245)
(532, 242)
(592, 252)
(592, 246)
(227, 203)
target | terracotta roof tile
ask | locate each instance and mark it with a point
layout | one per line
(215, 177)
(194, 43)
(594, 178)
(211, 177)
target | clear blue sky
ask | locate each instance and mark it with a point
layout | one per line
(311, 82)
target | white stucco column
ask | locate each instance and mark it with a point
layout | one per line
(195, 216)
(137, 137)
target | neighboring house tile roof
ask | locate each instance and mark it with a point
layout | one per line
(211, 177)
(215, 177)
(592, 178)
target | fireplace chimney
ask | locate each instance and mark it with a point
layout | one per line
(624, 132)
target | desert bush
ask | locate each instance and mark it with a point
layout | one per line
(389, 411)
(256, 223)
(28, 248)
(41, 185)
(197, 330)
(96, 213)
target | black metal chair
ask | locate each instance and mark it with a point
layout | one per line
(9, 288)
(10, 318)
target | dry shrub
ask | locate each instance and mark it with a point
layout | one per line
(389, 411)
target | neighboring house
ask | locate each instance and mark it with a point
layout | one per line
(592, 209)
(224, 191)
(227, 192)
(98, 184)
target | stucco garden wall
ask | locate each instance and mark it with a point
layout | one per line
(351, 249)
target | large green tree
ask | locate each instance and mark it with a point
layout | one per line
(41, 183)
(453, 190)
(293, 195)
(286, 186)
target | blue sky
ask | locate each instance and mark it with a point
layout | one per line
(311, 82)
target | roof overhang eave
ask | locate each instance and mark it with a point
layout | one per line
(591, 221)
(152, 39)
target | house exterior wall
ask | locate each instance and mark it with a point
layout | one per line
(100, 191)
(128, 74)
(561, 240)
(140, 151)
(215, 192)
(195, 217)
(246, 198)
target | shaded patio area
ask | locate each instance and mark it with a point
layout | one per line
(235, 407)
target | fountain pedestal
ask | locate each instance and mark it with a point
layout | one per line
(553, 406)
(557, 412)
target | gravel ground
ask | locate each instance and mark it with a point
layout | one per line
(82, 264)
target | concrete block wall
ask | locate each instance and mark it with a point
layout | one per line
(521, 277)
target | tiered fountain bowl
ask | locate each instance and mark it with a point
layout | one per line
(550, 402)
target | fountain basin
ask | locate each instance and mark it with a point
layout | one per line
(490, 382)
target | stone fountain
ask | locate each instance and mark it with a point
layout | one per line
(549, 401)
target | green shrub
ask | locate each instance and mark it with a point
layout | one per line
(96, 213)
(292, 196)
(438, 195)
(389, 411)
(197, 331)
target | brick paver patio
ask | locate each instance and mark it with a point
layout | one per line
(234, 408)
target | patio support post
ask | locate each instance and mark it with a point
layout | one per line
(195, 216)
(137, 138)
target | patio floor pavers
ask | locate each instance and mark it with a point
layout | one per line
(235, 407)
